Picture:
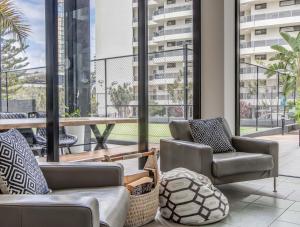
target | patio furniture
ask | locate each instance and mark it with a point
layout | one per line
(37, 148)
(101, 139)
(254, 159)
(83, 194)
(190, 198)
(65, 140)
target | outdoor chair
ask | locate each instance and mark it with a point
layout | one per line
(65, 140)
(36, 147)
(254, 159)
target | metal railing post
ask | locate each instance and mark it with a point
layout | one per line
(6, 88)
(105, 86)
(278, 94)
(185, 56)
(257, 71)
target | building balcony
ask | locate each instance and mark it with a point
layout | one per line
(260, 46)
(289, 17)
(173, 34)
(173, 12)
(135, 42)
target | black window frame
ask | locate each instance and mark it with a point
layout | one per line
(293, 2)
(261, 6)
(52, 69)
(171, 65)
(261, 31)
(260, 57)
(171, 22)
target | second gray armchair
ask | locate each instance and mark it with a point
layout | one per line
(83, 194)
(254, 159)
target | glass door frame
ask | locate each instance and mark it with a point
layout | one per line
(52, 92)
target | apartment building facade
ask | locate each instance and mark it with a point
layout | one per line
(261, 22)
(170, 32)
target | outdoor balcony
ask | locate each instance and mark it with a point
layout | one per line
(259, 46)
(273, 19)
(170, 12)
(173, 34)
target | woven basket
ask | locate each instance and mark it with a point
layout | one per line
(143, 208)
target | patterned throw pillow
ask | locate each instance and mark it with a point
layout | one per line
(19, 170)
(211, 133)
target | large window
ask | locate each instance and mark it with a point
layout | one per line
(97, 71)
(264, 98)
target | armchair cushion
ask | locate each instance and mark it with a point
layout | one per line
(228, 164)
(211, 133)
(48, 211)
(114, 202)
(19, 170)
(180, 130)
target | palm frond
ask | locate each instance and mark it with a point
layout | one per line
(292, 41)
(11, 20)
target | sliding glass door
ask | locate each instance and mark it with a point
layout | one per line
(267, 94)
(104, 70)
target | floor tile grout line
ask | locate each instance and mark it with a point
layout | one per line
(290, 194)
(283, 213)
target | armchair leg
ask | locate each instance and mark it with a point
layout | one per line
(275, 184)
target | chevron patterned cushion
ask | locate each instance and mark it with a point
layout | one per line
(211, 133)
(19, 170)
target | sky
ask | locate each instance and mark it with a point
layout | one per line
(34, 14)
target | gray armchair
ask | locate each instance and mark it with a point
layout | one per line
(254, 159)
(84, 194)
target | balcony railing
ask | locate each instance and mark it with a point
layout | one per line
(262, 43)
(261, 98)
(173, 9)
(270, 16)
(136, 19)
(173, 31)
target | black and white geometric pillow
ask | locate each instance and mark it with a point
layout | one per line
(19, 170)
(211, 133)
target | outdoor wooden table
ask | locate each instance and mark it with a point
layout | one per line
(92, 122)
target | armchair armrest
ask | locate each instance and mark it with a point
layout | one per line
(48, 211)
(193, 156)
(251, 145)
(82, 175)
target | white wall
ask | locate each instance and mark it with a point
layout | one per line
(113, 38)
(218, 60)
(113, 28)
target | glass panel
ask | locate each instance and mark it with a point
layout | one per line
(98, 74)
(23, 80)
(267, 77)
(170, 65)
(262, 100)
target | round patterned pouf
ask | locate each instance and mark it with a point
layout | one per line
(190, 198)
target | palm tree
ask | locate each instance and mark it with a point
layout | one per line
(287, 60)
(286, 64)
(12, 21)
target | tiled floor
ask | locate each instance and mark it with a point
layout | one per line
(254, 204)
(289, 155)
